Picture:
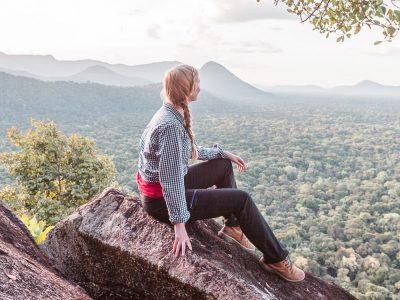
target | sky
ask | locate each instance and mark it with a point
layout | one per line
(259, 42)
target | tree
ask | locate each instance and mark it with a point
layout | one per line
(54, 173)
(347, 17)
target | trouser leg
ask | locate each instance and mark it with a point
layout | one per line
(211, 203)
(218, 172)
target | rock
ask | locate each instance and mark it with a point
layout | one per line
(25, 272)
(114, 250)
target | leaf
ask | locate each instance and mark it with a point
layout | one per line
(340, 39)
(43, 235)
(391, 30)
(25, 219)
(377, 42)
(358, 28)
(41, 224)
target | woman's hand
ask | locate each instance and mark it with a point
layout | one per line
(236, 159)
(181, 239)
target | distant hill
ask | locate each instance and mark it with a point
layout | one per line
(103, 75)
(152, 71)
(368, 87)
(291, 88)
(27, 96)
(48, 66)
(19, 73)
(215, 78)
(221, 82)
(363, 88)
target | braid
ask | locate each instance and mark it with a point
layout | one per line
(188, 126)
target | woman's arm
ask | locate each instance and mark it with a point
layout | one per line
(206, 153)
(172, 182)
(171, 173)
(216, 151)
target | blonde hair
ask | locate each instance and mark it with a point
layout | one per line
(178, 84)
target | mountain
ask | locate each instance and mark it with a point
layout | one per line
(27, 96)
(152, 71)
(363, 88)
(48, 66)
(19, 73)
(218, 80)
(368, 87)
(103, 75)
(291, 88)
(215, 78)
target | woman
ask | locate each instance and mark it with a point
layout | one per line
(174, 192)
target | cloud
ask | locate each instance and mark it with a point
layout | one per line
(253, 47)
(153, 31)
(131, 12)
(244, 11)
(187, 45)
(387, 51)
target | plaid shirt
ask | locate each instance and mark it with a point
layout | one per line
(164, 154)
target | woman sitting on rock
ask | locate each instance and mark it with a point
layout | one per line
(172, 191)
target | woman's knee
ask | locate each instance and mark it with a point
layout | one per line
(226, 163)
(243, 196)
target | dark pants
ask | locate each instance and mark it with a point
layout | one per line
(235, 205)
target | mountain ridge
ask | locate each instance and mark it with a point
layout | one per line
(215, 78)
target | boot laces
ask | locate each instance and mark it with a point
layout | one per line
(288, 263)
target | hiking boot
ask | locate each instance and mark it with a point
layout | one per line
(284, 269)
(236, 234)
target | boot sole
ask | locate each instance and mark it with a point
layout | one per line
(230, 239)
(277, 273)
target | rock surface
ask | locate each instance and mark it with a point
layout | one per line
(113, 249)
(25, 272)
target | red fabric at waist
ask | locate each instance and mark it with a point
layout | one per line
(147, 188)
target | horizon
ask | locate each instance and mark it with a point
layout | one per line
(259, 42)
(257, 85)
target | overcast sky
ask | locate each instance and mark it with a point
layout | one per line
(259, 42)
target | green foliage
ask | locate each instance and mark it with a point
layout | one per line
(54, 173)
(324, 170)
(346, 18)
(37, 228)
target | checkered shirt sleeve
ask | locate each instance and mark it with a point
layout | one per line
(206, 153)
(171, 173)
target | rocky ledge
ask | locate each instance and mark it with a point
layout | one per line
(114, 250)
(25, 272)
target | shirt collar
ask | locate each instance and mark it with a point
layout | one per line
(174, 111)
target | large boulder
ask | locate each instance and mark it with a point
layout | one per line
(25, 272)
(114, 250)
